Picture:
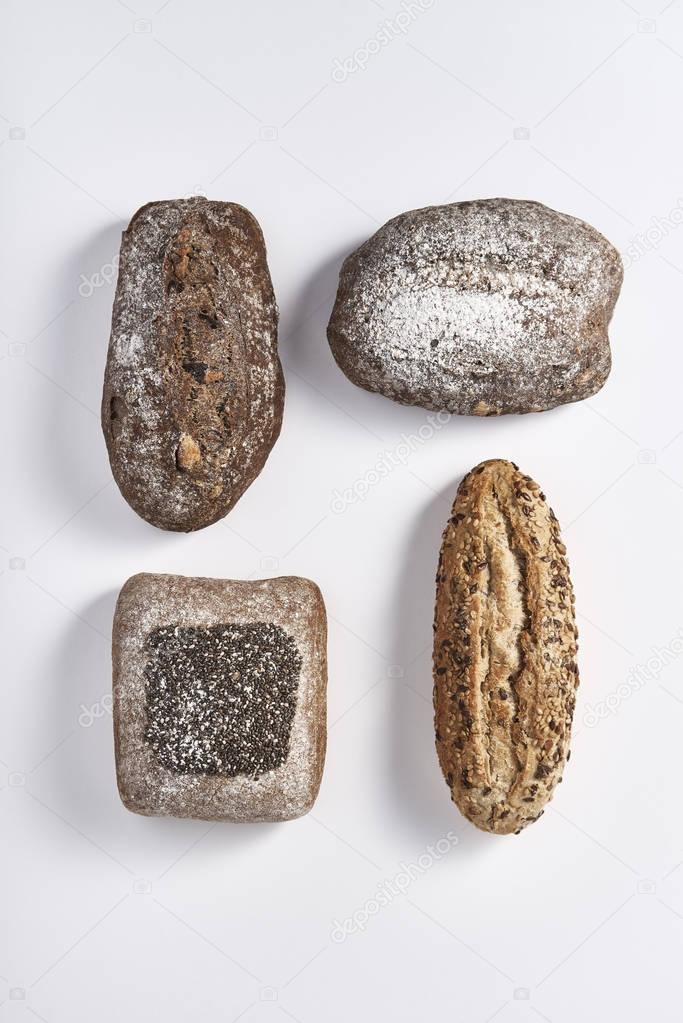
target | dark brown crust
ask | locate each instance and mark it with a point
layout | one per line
(487, 307)
(145, 786)
(505, 646)
(194, 391)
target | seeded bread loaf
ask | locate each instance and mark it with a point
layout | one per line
(505, 646)
(193, 391)
(219, 697)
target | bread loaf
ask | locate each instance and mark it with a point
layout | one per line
(505, 646)
(219, 697)
(193, 391)
(478, 308)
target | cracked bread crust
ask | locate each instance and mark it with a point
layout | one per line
(193, 391)
(505, 646)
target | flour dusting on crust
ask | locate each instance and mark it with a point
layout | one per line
(194, 391)
(484, 308)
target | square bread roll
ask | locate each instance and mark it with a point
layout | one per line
(220, 692)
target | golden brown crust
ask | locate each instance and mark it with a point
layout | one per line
(505, 644)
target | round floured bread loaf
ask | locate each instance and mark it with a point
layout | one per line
(505, 645)
(478, 308)
(193, 391)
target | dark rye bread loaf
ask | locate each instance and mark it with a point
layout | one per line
(193, 390)
(505, 645)
(478, 308)
(220, 691)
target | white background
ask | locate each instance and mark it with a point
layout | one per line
(104, 107)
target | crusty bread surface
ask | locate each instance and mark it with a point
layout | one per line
(505, 647)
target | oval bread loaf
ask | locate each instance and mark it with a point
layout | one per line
(478, 308)
(193, 391)
(505, 645)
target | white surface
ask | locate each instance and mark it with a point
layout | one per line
(116, 917)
